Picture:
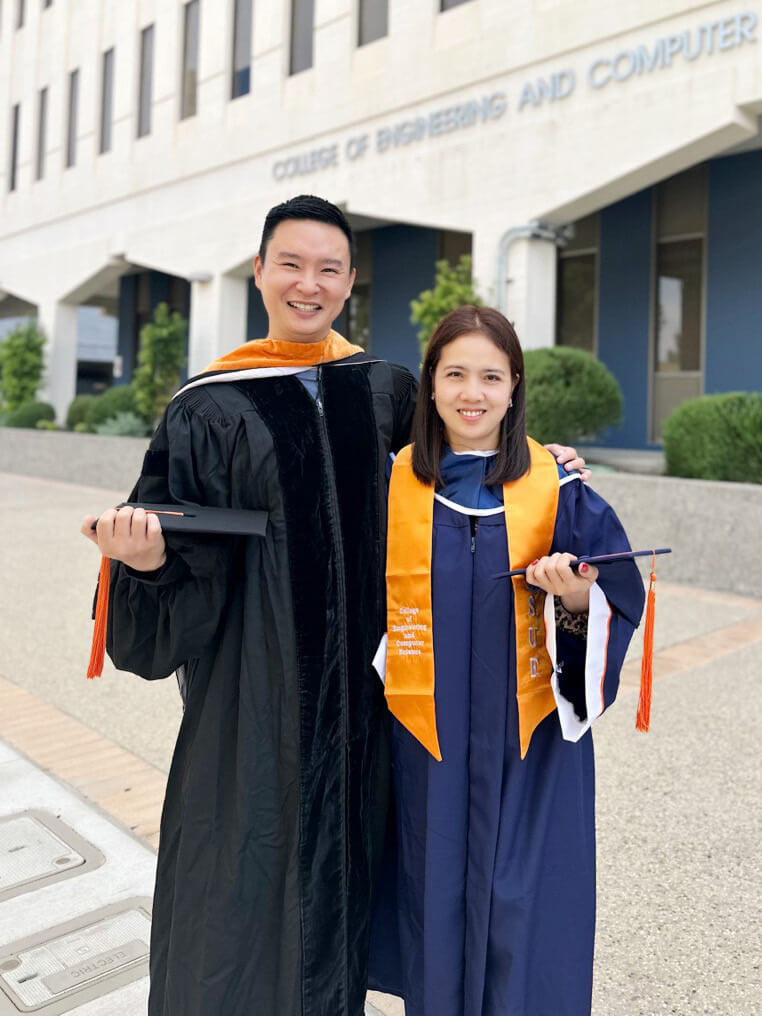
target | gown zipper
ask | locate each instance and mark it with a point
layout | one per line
(474, 520)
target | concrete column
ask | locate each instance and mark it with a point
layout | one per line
(217, 319)
(530, 296)
(59, 322)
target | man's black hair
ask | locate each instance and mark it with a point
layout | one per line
(306, 206)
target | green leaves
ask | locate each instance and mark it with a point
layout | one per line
(161, 358)
(570, 395)
(21, 365)
(716, 437)
(452, 288)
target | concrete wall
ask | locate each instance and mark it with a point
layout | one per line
(712, 527)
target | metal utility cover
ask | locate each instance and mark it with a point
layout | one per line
(61, 968)
(36, 849)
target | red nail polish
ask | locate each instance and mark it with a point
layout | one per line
(536, 561)
(583, 567)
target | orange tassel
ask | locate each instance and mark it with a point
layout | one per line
(98, 649)
(643, 720)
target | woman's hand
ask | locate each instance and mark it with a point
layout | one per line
(129, 535)
(567, 457)
(554, 575)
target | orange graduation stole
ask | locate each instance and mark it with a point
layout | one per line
(251, 355)
(530, 505)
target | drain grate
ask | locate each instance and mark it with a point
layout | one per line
(64, 967)
(37, 848)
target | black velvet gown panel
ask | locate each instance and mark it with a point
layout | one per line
(277, 795)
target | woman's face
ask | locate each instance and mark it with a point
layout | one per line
(473, 383)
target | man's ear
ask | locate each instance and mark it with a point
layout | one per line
(352, 277)
(257, 271)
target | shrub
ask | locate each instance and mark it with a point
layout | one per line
(120, 399)
(78, 410)
(21, 365)
(161, 358)
(716, 437)
(29, 414)
(570, 395)
(47, 425)
(452, 288)
(124, 425)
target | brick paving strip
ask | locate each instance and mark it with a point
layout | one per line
(122, 784)
(131, 790)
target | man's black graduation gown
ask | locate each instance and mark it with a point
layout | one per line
(277, 793)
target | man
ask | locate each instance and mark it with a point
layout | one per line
(277, 795)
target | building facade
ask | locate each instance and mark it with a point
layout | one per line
(601, 162)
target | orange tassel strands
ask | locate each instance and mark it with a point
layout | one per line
(98, 648)
(643, 720)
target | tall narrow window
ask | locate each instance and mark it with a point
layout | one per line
(47, 3)
(14, 166)
(71, 134)
(241, 84)
(190, 60)
(20, 11)
(145, 95)
(302, 24)
(374, 21)
(107, 101)
(42, 133)
(679, 257)
(577, 287)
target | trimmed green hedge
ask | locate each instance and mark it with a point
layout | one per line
(570, 395)
(120, 399)
(78, 410)
(124, 425)
(716, 437)
(28, 414)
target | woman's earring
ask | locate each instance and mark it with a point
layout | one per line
(432, 396)
(510, 403)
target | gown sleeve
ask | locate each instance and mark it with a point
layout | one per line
(158, 621)
(404, 396)
(586, 668)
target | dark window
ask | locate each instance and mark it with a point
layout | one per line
(358, 324)
(47, 3)
(71, 134)
(242, 18)
(447, 4)
(374, 21)
(190, 60)
(576, 302)
(20, 10)
(302, 23)
(145, 95)
(42, 132)
(107, 100)
(14, 166)
(577, 287)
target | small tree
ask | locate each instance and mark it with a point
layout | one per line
(452, 288)
(161, 358)
(21, 365)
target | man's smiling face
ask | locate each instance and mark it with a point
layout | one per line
(305, 279)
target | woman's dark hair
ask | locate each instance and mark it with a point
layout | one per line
(306, 206)
(428, 435)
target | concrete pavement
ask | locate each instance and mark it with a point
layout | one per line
(678, 810)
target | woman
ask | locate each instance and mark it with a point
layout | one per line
(501, 679)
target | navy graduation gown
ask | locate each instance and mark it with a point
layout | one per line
(495, 865)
